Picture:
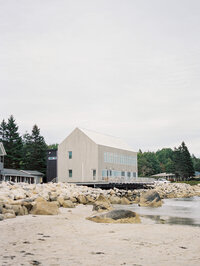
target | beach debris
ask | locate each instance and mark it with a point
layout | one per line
(97, 253)
(35, 262)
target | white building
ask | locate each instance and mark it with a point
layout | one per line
(87, 156)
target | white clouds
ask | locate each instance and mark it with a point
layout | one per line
(129, 69)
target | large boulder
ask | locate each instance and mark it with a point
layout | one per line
(19, 210)
(60, 200)
(9, 215)
(68, 204)
(125, 201)
(82, 199)
(90, 200)
(150, 198)
(102, 198)
(116, 216)
(101, 204)
(115, 200)
(43, 207)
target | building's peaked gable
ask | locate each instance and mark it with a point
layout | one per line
(2, 150)
(106, 140)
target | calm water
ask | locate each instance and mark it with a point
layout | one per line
(174, 211)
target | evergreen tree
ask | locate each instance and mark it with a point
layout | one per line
(35, 151)
(148, 164)
(165, 158)
(12, 143)
(27, 151)
(183, 162)
(196, 163)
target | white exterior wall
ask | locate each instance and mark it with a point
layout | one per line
(84, 158)
(87, 156)
(116, 166)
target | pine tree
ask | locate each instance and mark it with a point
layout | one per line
(183, 162)
(12, 143)
(35, 151)
(27, 151)
(187, 162)
(196, 163)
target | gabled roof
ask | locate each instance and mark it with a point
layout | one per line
(106, 140)
(13, 172)
(32, 172)
(2, 150)
(163, 175)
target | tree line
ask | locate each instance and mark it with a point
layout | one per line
(177, 161)
(23, 152)
(29, 152)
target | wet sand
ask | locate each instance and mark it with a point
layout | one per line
(70, 239)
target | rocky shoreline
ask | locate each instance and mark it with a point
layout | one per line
(18, 199)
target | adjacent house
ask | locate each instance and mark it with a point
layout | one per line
(167, 176)
(27, 176)
(88, 156)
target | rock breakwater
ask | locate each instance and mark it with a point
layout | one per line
(45, 199)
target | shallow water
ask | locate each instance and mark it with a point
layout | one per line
(173, 211)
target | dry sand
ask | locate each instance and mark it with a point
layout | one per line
(70, 239)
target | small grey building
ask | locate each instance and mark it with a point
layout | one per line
(27, 176)
(88, 156)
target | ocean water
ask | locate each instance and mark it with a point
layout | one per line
(173, 211)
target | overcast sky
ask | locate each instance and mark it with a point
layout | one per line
(127, 68)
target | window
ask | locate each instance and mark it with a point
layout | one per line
(134, 174)
(115, 158)
(94, 174)
(128, 174)
(70, 172)
(123, 173)
(70, 154)
(104, 174)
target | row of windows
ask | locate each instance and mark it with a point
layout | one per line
(110, 157)
(113, 173)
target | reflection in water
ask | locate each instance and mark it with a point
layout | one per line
(172, 220)
(184, 211)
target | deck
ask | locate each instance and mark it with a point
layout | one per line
(139, 183)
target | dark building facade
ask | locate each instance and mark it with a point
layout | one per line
(51, 173)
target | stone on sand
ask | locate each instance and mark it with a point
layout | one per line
(116, 216)
(150, 198)
(68, 204)
(45, 208)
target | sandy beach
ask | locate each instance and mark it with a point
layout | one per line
(70, 239)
